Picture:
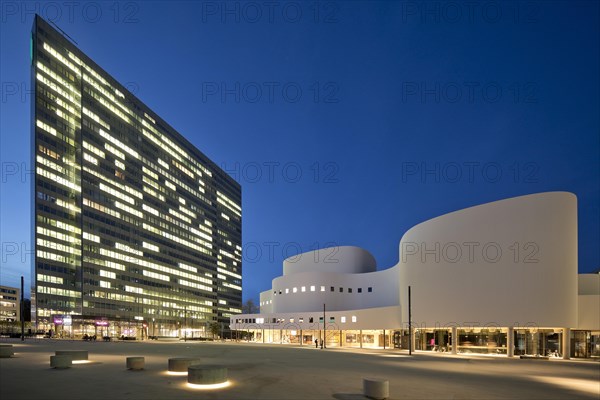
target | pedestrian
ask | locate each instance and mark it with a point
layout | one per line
(316, 343)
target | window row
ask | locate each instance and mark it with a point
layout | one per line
(300, 320)
(313, 289)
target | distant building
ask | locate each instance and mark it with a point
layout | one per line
(10, 300)
(137, 233)
(499, 278)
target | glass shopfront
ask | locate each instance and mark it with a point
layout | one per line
(490, 341)
(538, 342)
(98, 328)
(585, 344)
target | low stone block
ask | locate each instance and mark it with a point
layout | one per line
(181, 364)
(135, 363)
(61, 361)
(76, 355)
(376, 388)
(207, 374)
(6, 351)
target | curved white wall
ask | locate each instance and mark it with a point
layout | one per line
(384, 285)
(342, 259)
(532, 282)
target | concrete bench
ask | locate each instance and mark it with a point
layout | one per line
(61, 361)
(76, 355)
(376, 388)
(6, 351)
(207, 374)
(135, 363)
(527, 357)
(182, 364)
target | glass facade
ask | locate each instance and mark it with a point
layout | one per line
(131, 222)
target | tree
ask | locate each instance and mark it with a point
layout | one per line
(214, 328)
(249, 307)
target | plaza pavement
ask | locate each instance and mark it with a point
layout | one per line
(262, 371)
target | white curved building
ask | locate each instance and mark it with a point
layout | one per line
(500, 277)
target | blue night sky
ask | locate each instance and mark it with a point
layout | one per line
(327, 118)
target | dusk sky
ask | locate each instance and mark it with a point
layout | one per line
(327, 113)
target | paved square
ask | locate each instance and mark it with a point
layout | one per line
(284, 372)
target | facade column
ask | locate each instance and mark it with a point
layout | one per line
(384, 339)
(510, 342)
(263, 335)
(566, 343)
(340, 338)
(360, 338)
(301, 337)
(413, 339)
(454, 340)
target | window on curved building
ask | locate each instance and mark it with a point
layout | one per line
(343, 319)
(359, 290)
(287, 290)
(341, 290)
(354, 318)
(350, 290)
(295, 289)
(303, 288)
(310, 320)
(322, 288)
(332, 289)
(312, 288)
(370, 289)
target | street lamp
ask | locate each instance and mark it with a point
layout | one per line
(324, 342)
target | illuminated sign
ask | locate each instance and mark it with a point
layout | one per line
(58, 320)
(101, 323)
(67, 321)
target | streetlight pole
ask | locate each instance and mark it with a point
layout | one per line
(409, 325)
(22, 312)
(324, 346)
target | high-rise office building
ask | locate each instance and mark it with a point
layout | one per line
(135, 230)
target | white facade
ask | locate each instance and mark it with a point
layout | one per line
(508, 263)
(588, 313)
(505, 266)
